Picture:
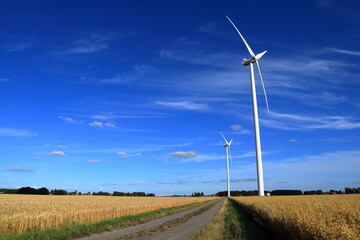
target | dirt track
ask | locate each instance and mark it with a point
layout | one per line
(175, 227)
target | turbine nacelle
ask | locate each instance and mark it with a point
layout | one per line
(253, 59)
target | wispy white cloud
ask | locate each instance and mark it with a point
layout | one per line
(236, 127)
(348, 52)
(4, 80)
(16, 47)
(240, 180)
(137, 183)
(58, 153)
(101, 124)
(91, 44)
(95, 161)
(184, 105)
(190, 154)
(172, 182)
(211, 28)
(117, 79)
(319, 167)
(110, 125)
(102, 117)
(224, 60)
(305, 123)
(125, 155)
(139, 71)
(18, 169)
(96, 124)
(55, 153)
(11, 132)
(67, 119)
(290, 76)
(214, 157)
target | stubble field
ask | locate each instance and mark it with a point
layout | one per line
(307, 217)
(21, 213)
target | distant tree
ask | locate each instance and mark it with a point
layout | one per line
(319, 192)
(150, 194)
(238, 193)
(352, 190)
(101, 193)
(27, 190)
(286, 192)
(139, 194)
(59, 192)
(197, 194)
(118, 194)
(8, 191)
(43, 191)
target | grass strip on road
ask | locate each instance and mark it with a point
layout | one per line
(167, 225)
(81, 230)
(232, 223)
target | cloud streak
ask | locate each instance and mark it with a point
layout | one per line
(54, 153)
(295, 122)
(12, 132)
(348, 52)
(190, 154)
(17, 47)
(17, 169)
(94, 161)
(92, 44)
(125, 155)
(184, 105)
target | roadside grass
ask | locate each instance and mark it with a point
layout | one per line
(216, 227)
(82, 230)
(232, 223)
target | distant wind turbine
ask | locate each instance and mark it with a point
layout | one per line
(228, 154)
(246, 62)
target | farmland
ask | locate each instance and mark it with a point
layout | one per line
(307, 217)
(21, 213)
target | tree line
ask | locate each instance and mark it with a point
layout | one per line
(45, 191)
(289, 192)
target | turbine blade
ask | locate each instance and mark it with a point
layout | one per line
(263, 85)
(258, 56)
(224, 138)
(230, 142)
(246, 44)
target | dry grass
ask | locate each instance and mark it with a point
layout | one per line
(215, 228)
(21, 213)
(308, 217)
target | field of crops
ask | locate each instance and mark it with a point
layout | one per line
(307, 217)
(20, 213)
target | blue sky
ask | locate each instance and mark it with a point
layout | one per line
(132, 95)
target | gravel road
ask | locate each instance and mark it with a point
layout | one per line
(177, 226)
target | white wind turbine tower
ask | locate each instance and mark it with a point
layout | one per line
(228, 153)
(255, 59)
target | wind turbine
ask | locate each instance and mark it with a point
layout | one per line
(228, 153)
(249, 62)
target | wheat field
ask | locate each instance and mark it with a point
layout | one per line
(21, 213)
(308, 217)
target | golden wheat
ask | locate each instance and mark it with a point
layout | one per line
(21, 213)
(308, 217)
